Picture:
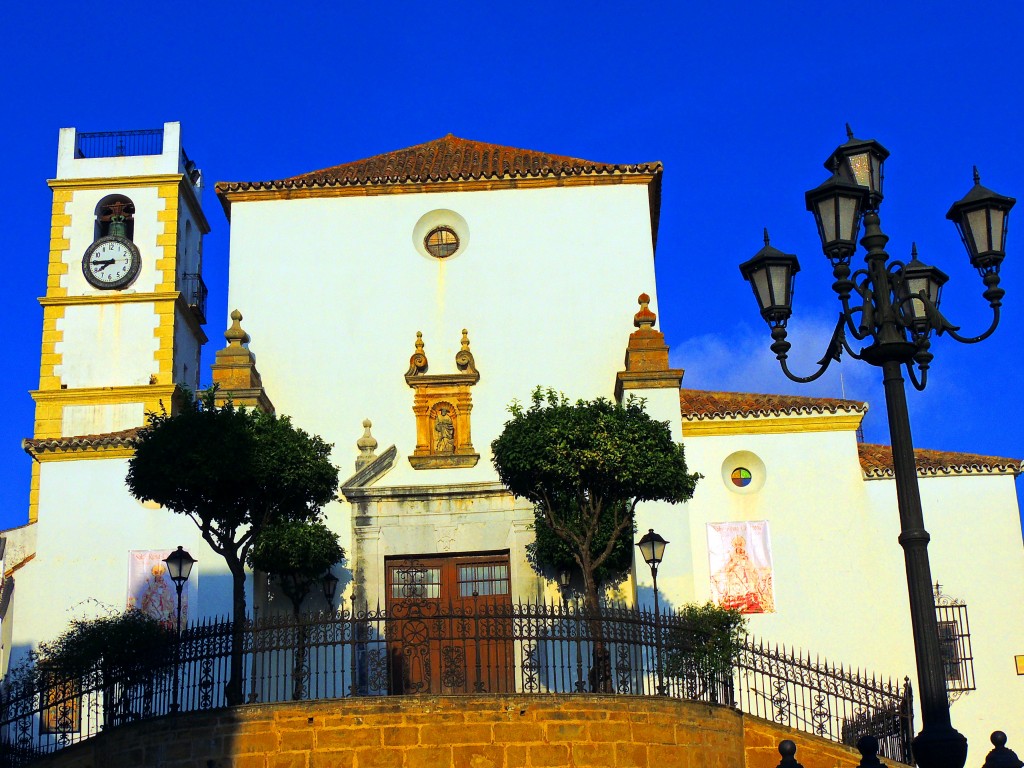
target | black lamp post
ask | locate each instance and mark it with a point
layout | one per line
(179, 566)
(652, 547)
(892, 308)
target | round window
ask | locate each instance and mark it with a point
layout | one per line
(441, 242)
(743, 472)
(741, 477)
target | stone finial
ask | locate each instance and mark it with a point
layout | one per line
(788, 751)
(418, 361)
(868, 748)
(464, 358)
(236, 337)
(644, 318)
(367, 445)
(234, 370)
(1001, 756)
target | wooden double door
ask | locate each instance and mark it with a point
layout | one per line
(449, 625)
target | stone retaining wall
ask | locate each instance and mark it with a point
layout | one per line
(461, 731)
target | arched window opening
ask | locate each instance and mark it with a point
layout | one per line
(115, 215)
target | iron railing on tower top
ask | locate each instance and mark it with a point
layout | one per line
(119, 143)
(423, 647)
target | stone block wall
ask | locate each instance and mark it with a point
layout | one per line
(461, 731)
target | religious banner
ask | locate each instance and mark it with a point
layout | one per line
(740, 556)
(151, 590)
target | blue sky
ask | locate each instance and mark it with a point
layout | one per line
(741, 101)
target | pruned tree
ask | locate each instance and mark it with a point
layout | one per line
(298, 554)
(585, 466)
(233, 472)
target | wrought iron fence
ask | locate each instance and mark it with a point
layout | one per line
(421, 647)
(120, 143)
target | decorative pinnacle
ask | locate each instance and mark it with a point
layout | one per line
(766, 240)
(913, 251)
(977, 176)
(235, 335)
(849, 132)
(419, 341)
(644, 318)
(465, 340)
(366, 444)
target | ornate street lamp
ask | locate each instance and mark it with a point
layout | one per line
(652, 547)
(329, 585)
(892, 308)
(179, 566)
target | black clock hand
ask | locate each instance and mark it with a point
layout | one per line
(102, 264)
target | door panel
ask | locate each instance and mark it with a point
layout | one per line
(449, 624)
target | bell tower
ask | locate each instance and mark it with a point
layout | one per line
(125, 300)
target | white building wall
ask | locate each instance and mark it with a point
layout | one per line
(975, 554)
(88, 523)
(107, 345)
(839, 574)
(546, 288)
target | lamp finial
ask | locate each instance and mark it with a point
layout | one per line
(977, 176)
(849, 132)
(766, 240)
(913, 250)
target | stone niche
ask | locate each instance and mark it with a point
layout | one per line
(442, 404)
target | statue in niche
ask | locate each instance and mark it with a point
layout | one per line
(444, 428)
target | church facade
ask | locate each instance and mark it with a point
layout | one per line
(397, 306)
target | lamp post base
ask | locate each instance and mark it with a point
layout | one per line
(940, 747)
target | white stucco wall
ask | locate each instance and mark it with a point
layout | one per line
(88, 523)
(839, 574)
(976, 555)
(106, 345)
(546, 287)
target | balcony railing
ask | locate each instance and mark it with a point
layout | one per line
(120, 143)
(193, 290)
(424, 648)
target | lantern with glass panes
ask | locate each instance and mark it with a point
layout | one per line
(892, 309)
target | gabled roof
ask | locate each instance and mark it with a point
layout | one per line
(876, 461)
(123, 439)
(446, 159)
(698, 405)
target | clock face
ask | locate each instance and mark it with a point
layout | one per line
(111, 262)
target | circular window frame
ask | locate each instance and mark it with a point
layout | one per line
(748, 461)
(441, 218)
(436, 249)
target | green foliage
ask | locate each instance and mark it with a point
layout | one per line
(706, 642)
(585, 465)
(233, 471)
(549, 555)
(230, 468)
(297, 552)
(128, 643)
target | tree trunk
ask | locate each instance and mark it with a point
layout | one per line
(601, 664)
(233, 691)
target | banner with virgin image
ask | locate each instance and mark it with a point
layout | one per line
(151, 590)
(740, 556)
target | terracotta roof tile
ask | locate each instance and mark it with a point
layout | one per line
(698, 405)
(124, 439)
(876, 461)
(446, 159)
